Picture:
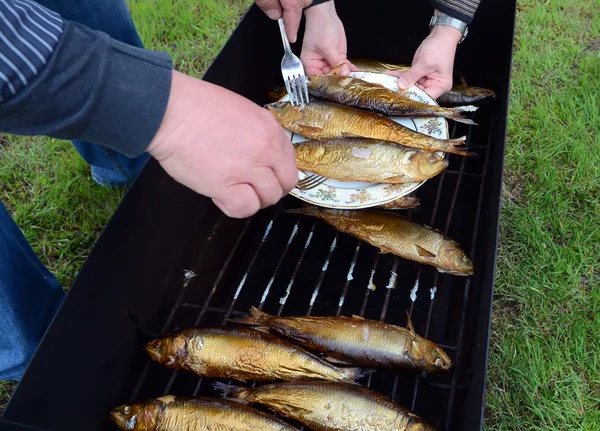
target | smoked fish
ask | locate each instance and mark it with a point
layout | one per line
(397, 235)
(369, 160)
(171, 413)
(358, 93)
(328, 406)
(403, 203)
(242, 354)
(324, 120)
(357, 341)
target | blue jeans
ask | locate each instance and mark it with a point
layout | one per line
(29, 294)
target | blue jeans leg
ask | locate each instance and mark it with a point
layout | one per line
(29, 297)
(109, 168)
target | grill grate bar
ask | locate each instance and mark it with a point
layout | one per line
(391, 285)
(349, 278)
(436, 276)
(322, 276)
(276, 271)
(370, 286)
(288, 290)
(461, 331)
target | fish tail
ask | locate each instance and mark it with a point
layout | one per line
(467, 108)
(462, 151)
(354, 373)
(256, 318)
(236, 393)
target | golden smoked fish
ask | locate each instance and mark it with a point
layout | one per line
(369, 160)
(358, 93)
(171, 413)
(242, 354)
(324, 120)
(328, 406)
(397, 235)
(358, 341)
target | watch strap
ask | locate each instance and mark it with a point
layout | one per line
(452, 22)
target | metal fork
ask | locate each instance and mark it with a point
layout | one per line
(293, 72)
(310, 182)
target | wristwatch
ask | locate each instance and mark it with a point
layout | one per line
(452, 22)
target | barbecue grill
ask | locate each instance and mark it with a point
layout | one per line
(169, 259)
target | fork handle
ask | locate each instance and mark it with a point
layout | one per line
(286, 42)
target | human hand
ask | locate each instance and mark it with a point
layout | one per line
(324, 46)
(433, 62)
(223, 146)
(290, 10)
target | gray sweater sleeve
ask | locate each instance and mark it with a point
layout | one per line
(460, 9)
(83, 85)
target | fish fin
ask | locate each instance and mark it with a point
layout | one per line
(423, 252)
(355, 373)
(462, 80)
(354, 316)
(231, 392)
(460, 119)
(395, 179)
(466, 108)
(257, 318)
(336, 361)
(336, 70)
(410, 326)
(309, 130)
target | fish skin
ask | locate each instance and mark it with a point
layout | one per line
(328, 406)
(325, 120)
(402, 203)
(357, 341)
(358, 93)
(397, 235)
(171, 413)
(370, 65)
(243, 354)
(369, 160)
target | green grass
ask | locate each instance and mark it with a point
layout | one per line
(545, 358)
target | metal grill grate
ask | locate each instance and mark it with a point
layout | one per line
(294, 265)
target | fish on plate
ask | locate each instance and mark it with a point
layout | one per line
(329, 406)
(357, 341)
(243, 354)
(395, 234)
(171, 413)
(325, 120)
(368, 160)
(350, 91)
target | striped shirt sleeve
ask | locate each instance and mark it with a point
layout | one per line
(28, 35)
(460, 9)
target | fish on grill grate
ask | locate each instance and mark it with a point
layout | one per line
(171, 413)
(358, 341)
(329, 406)
(395, 234)
(243, 354)
(402, 203)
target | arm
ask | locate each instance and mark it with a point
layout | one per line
(61, 79)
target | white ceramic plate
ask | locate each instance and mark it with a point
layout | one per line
(354, 195)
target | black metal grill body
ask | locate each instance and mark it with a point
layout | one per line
(134, 283)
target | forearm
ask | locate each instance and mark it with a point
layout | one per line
(85, 86)
(463, 10)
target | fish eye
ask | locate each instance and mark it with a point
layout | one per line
(432, 158)
(465, 259)
(126, 410)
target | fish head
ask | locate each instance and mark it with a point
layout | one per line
(430, 355)
(424, 164)
(454, 260)
(137, 417)
(284, 112)
(169, 351)
(419, 425)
